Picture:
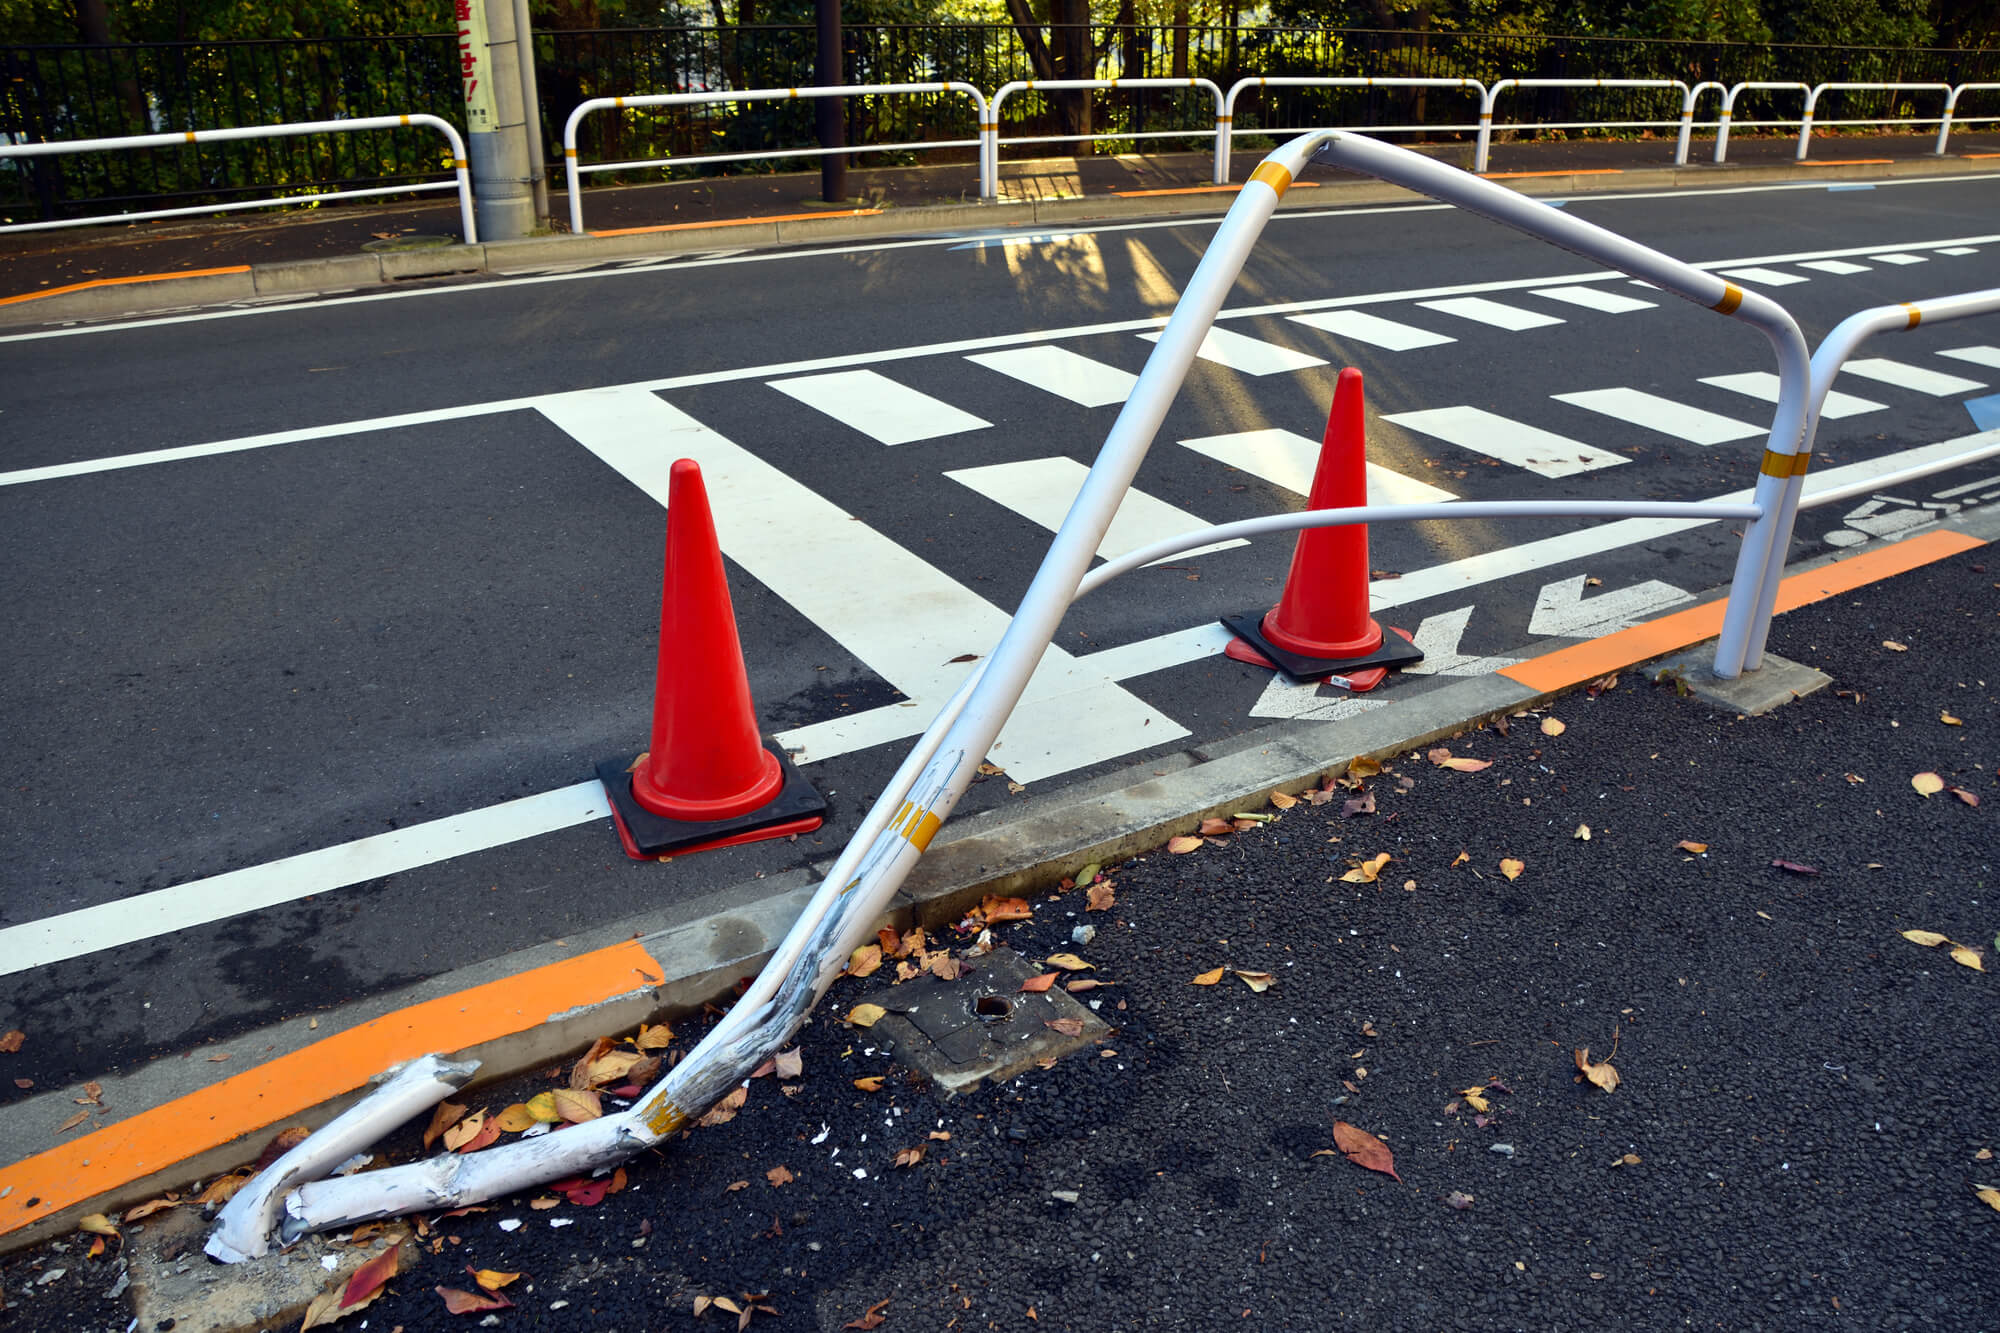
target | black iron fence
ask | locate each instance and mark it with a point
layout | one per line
(78, 92)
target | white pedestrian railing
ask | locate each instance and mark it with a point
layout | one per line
(1493, 96)
(989, 176)
(1951, 110)
(577, 170)
(1723, 122)
(1228, 118)
(1812, 100)
(893, 835)
(462, 181)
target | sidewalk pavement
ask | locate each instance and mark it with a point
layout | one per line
(1712, 902)
(114, 270)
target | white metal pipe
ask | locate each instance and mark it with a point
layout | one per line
(237, 206)
(1480, 152)
(1687, 119)
(244, 1228)
(1007, 90)
(1812, 100)
(1729, 109)
(574, 175)
(772, 154)
(1827, 360)
(1902, 476)
(291, 129)
(1951, 106)
(1288, 81)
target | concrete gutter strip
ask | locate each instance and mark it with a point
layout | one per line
(348, 272)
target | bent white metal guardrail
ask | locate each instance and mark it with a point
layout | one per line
(1493, 95)
(1729, 109)
(1228, 117)
(989, 186)
(576, 171)
(1951, 108)
(897, 829)
(462, 180)
(1827, 360)
(1812, 100)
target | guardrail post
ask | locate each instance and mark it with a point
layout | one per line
(1805, 125)
(1487, 97)
(1944, 126)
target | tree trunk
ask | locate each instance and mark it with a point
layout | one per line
(1180, 39)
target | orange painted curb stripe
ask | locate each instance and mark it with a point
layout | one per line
(120, 282)
(740, 222)
(1580, 171)
(1979, 154)
(259, 1098)
(1847, 162)
(1656, 638)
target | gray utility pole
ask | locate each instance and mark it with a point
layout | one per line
(531, 105)
(830, 112)
(496, 140)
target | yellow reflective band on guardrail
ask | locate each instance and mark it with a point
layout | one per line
(1916, 314)
(458, 163)
(190, 135)
(666, 1118)
(1224, 120)
(1732, 296)
(1486, 116)
(569, 152)
(1274, 176)
(404, 119)
(1776, 464)
(915, 825)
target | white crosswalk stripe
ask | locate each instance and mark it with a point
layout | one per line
(1763, 386)
(1663, 414)
(1041, 489)
(1898, 258)
(879, 407)
(1596, 298)
(1903, 375)
(1496, 313)
(1360, 326)
(1542, 452)
(1062, 372)
(1958, 250)
(1249, 356)
(1286, 459)
(1764, 277)
(1978, 356)
(1837, 267)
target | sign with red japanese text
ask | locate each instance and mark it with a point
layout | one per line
(475, 66)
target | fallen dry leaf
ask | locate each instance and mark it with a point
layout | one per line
(1364, 1149)
(1036, 985)
(1988, 1196)
(944, 967)
(1927, 784)
(1366, 872)
(444, 1117)
(97, 1224)
(367, 1282)
(1895, 647)
(871, 1320)
(872, 1083)
(1966, 796)
(779, 1175)
(1582, 833)
(465, 1131)
(790, 1064)
(542, 1106)
(911, 1156)
(492, 1278)
(1949, 720)
(1551, 727)
(1069, 1027)
(865, 961)
(1461, 859)
(725, 1110)
(1216, 828)
(654, 1037)
(1458, 1199)
(281, 1143)
(1068, 962)
(1967, 957)
(1602, 1074)
(1100, 897)
(996, 910)
(1083, 984)
(1512, 867)
(73, 1121)
(11, 1040)
(735, 1185)
(1282, 801)
(516, 1118)
(223, 1189)
(1468, 765)
(1209, 978)
(1685, 845)
(865, 1015)
(466, 1302)
(1794, 867)
(1183, 843)
(1930, 939)
(1256, 981)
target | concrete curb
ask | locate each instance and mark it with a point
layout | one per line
(353, 272)
(696, 953)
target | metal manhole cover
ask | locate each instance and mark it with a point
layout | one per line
(982, 1026)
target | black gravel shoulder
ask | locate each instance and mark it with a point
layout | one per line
(1804, 1111)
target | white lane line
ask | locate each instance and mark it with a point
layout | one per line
(1978, 355)
(254, 888)
(1906, 376)
(1496, 313)
(879, 407)
(1062, 372)
(1542, 452)
(1835, 266)
(1898, 258)
(164, 911)
(1958, 250)
(1360, 326)
(1763, 386)
(1286, 459)
(1596, 298)
(902, 617)
(1664, 415)
(1249, 356)
(1041, 489)
(1764, 277)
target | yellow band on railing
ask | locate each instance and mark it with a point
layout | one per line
(1732, 296)
(404, 119)
(618, 102)
(190, 135)
(569, 152)
(458, 164)
(1916, 314)
(1274, 176)
(1485, 116)
(1776, 464)
(1725, 115)
(666, 1118)
(1224, 120)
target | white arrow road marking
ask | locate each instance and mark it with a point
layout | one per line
(1302, 703)
(1562, 612)
(1439, 637)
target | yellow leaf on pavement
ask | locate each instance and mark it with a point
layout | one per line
(98, 1223)
(655, 1037)
(1551, 727)
(577, 1105)
(1949, 720)
(1988, 1196)
(517, 1118)
(493, 1279)
(873, 1083)
(1068, 962)
(465, 1131)
(1512, 868)
(1209, 978)
(1930, 939)
(1183, 844)
(542, 1106)
(865, 1015)
(1927, 784)
(1282, 801)
(1582, 833)
(1256, 981)
(865, 961)
(1965, 957)
(1366, 872)
(1603, 1075)
(1686, 845)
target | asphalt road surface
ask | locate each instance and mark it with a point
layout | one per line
(320, 613)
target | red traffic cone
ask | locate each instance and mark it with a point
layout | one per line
(710, 779)
(1321, 624)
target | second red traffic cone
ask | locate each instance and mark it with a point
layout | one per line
(1321, 625)
(710, 778)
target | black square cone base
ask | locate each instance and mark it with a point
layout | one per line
(1394, 653)
(797, 808)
